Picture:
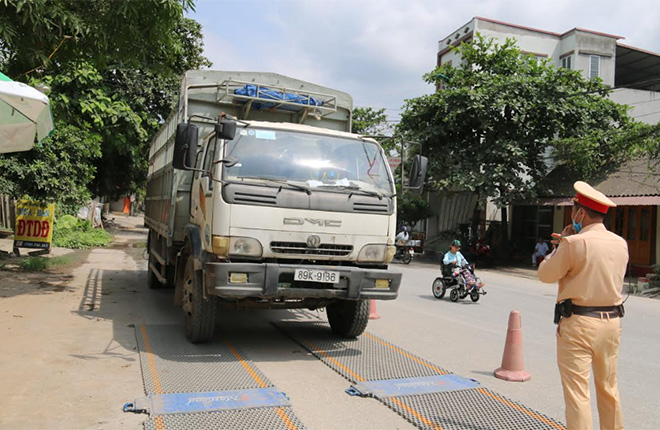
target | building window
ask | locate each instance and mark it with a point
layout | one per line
(567, 62)
(594, 66)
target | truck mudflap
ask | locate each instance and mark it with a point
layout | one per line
(275, 281)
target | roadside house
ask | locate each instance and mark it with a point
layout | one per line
(634, 75)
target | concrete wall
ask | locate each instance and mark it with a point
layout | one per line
(527, 40)
(579, 44)
(645, 105)
(587, 45)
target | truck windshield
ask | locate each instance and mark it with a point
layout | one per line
(318, 161)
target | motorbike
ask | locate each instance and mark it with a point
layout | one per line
(404, 254)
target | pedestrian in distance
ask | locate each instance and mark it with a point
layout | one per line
(589, 264)
(540, 250)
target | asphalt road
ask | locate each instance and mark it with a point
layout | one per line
(468, 339)
(71, 360)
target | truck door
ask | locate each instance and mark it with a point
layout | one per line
(202, 193)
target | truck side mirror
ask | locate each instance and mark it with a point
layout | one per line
(225, 129)
(417, 174)
(185, 146)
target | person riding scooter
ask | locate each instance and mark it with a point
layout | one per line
(402, 237)
(403, 252)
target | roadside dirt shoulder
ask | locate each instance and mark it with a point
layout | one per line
(68, 358)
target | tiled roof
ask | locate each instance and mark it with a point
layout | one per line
(639, 177)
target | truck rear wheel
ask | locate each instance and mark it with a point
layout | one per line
(348, 318)
(198, 312)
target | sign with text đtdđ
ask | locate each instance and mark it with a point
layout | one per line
(34, 225)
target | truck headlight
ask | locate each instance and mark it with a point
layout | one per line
(372, 254)
(236, 246)
(245, 247)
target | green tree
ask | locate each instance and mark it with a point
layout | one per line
(369, 121)
(373, 122)
(114, 70)
(501, 115)
(411, 209)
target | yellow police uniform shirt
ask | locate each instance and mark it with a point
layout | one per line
(589, 267)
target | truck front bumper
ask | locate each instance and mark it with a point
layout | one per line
(273, 281)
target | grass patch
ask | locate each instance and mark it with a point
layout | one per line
(83, 239)
(39, 264)
(73, 233)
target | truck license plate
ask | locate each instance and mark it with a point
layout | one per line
(314, 275)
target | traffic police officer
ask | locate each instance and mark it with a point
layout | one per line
(589, 264)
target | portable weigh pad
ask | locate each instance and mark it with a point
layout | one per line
(426, 395)
(209, 385)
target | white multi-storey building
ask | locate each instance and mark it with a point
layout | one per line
(634, 76)
(633, 73)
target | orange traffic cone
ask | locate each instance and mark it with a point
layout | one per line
(373, 315)
(513, 368)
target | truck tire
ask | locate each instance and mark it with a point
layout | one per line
(348, 318)
(198, 312)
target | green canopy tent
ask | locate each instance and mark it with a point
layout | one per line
(25, 116)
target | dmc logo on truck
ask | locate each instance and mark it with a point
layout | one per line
(314, 221)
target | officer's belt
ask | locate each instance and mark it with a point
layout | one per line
(599, 311)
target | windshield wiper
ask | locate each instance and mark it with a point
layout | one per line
(355, 189)
(279, 181)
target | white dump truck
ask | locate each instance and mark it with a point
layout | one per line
(258, 195)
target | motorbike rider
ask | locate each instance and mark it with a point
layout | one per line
(402, 237)
(400, 241)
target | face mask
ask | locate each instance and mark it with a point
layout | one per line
(577, 225)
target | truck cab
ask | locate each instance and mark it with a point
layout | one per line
(274, 204)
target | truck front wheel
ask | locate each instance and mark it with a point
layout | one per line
(348, 318)
(198, 312)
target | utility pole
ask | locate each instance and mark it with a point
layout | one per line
(403, 159)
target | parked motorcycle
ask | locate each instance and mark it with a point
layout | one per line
(404, 254)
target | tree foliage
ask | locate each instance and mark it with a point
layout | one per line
(373, 122)
(114, 72)
(501, 115)
(369, 121)
(411, 209)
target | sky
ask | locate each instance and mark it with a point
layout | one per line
(379, 50)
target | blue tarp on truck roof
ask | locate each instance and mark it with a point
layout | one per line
(270, 94)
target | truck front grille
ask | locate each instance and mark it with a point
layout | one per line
(370, 207)
(301, 248)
